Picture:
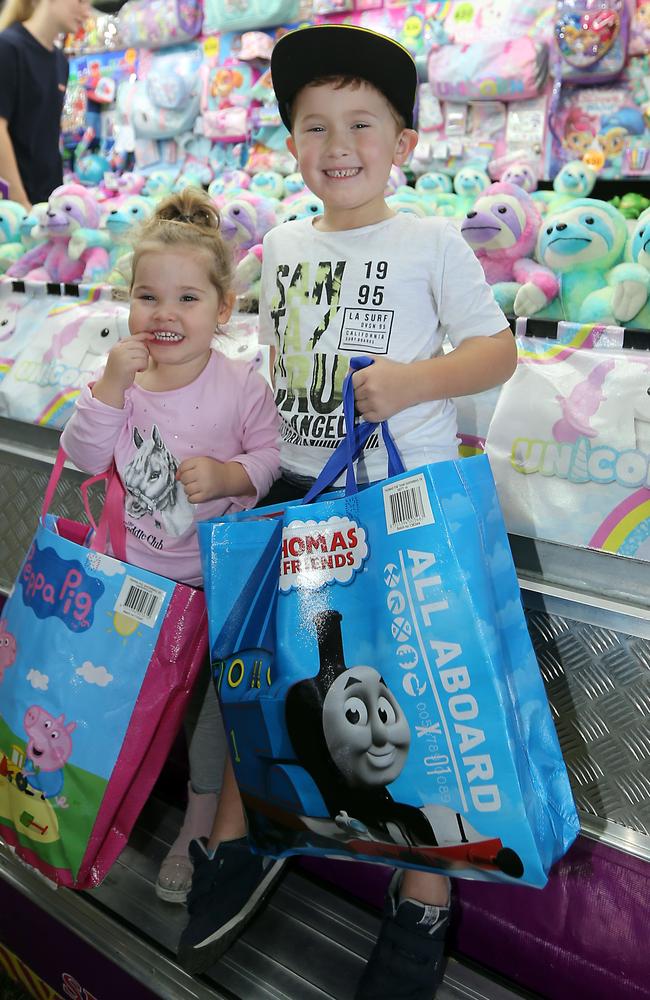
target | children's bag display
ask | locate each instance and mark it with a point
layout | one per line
(155, 24)
(569, 441)
(232, 15)
(97, 662)
(377, 680)
(515, 70)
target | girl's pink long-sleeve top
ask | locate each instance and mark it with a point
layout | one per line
(227, 413)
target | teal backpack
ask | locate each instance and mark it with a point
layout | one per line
(247, 15)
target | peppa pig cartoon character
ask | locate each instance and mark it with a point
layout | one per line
(49, 747)
(7, 648)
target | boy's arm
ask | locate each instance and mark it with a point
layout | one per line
(478, 363)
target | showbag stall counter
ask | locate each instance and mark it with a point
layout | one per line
(588, 613)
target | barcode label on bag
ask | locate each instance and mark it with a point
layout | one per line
(407, 504)
(139, 600)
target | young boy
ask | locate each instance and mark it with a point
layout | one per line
(359, 280)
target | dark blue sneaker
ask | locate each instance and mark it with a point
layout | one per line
(407, 962)
(227, 890)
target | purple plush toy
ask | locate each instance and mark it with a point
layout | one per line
(70, 207)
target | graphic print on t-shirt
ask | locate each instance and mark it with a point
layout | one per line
(307, 314)
(152, 488)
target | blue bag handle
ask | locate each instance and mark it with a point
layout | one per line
(356, 436)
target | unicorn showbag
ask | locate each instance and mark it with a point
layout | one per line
(569, 442)
(64, 350)
(376, 676)
(20, 315)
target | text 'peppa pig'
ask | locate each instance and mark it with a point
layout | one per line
(52, 586)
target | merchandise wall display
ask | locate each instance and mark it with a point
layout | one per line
(483, 106)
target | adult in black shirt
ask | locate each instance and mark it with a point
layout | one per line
(33, 77)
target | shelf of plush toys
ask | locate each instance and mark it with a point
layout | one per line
(551, 254)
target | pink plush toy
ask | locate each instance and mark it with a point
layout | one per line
(70, 207)
(502, 228)
(116, 188)
(245, 220)
(522, 174)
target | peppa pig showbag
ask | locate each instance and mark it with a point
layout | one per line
(97, 662)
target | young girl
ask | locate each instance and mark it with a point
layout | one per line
(33, 77)
(193, 435)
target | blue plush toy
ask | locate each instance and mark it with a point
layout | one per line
(575, 275)
(11, 219)
(433, 183)
(269, 183)
(159, 183)
(631, 278)
(639, 252)
(90, 168)
(469, 183)
(405, 199)
(192, 175)
(113, 237)
(294, 184)
(30, 227)
(576, 179)
(299, 206)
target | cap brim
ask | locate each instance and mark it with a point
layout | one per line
(307, 54)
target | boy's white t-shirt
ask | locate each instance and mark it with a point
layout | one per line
(394, 290)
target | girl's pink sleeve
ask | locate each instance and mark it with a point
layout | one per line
(90, 436)
(260, 437)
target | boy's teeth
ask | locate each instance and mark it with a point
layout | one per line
(163, 335)
(350, 172)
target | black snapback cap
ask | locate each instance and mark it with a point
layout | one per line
(306, 54)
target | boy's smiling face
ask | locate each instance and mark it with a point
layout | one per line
(345, 140)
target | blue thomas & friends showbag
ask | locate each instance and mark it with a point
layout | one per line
(377, 680)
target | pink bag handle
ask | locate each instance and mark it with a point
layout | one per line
(112, 517)
(53, 482)
(111, 522)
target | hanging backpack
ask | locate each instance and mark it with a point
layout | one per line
(591, 40)
(225, 100)
(244, 15)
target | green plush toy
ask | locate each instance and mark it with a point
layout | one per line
(578, 274)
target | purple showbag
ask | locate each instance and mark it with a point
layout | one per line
(97, 662)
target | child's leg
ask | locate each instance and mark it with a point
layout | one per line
(230, 819)
(229, 883)
(408, 958)
(208, 750)
(207, 754)
(425, 887)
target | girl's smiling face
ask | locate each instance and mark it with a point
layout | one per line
(174, 300)
(346, 140)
